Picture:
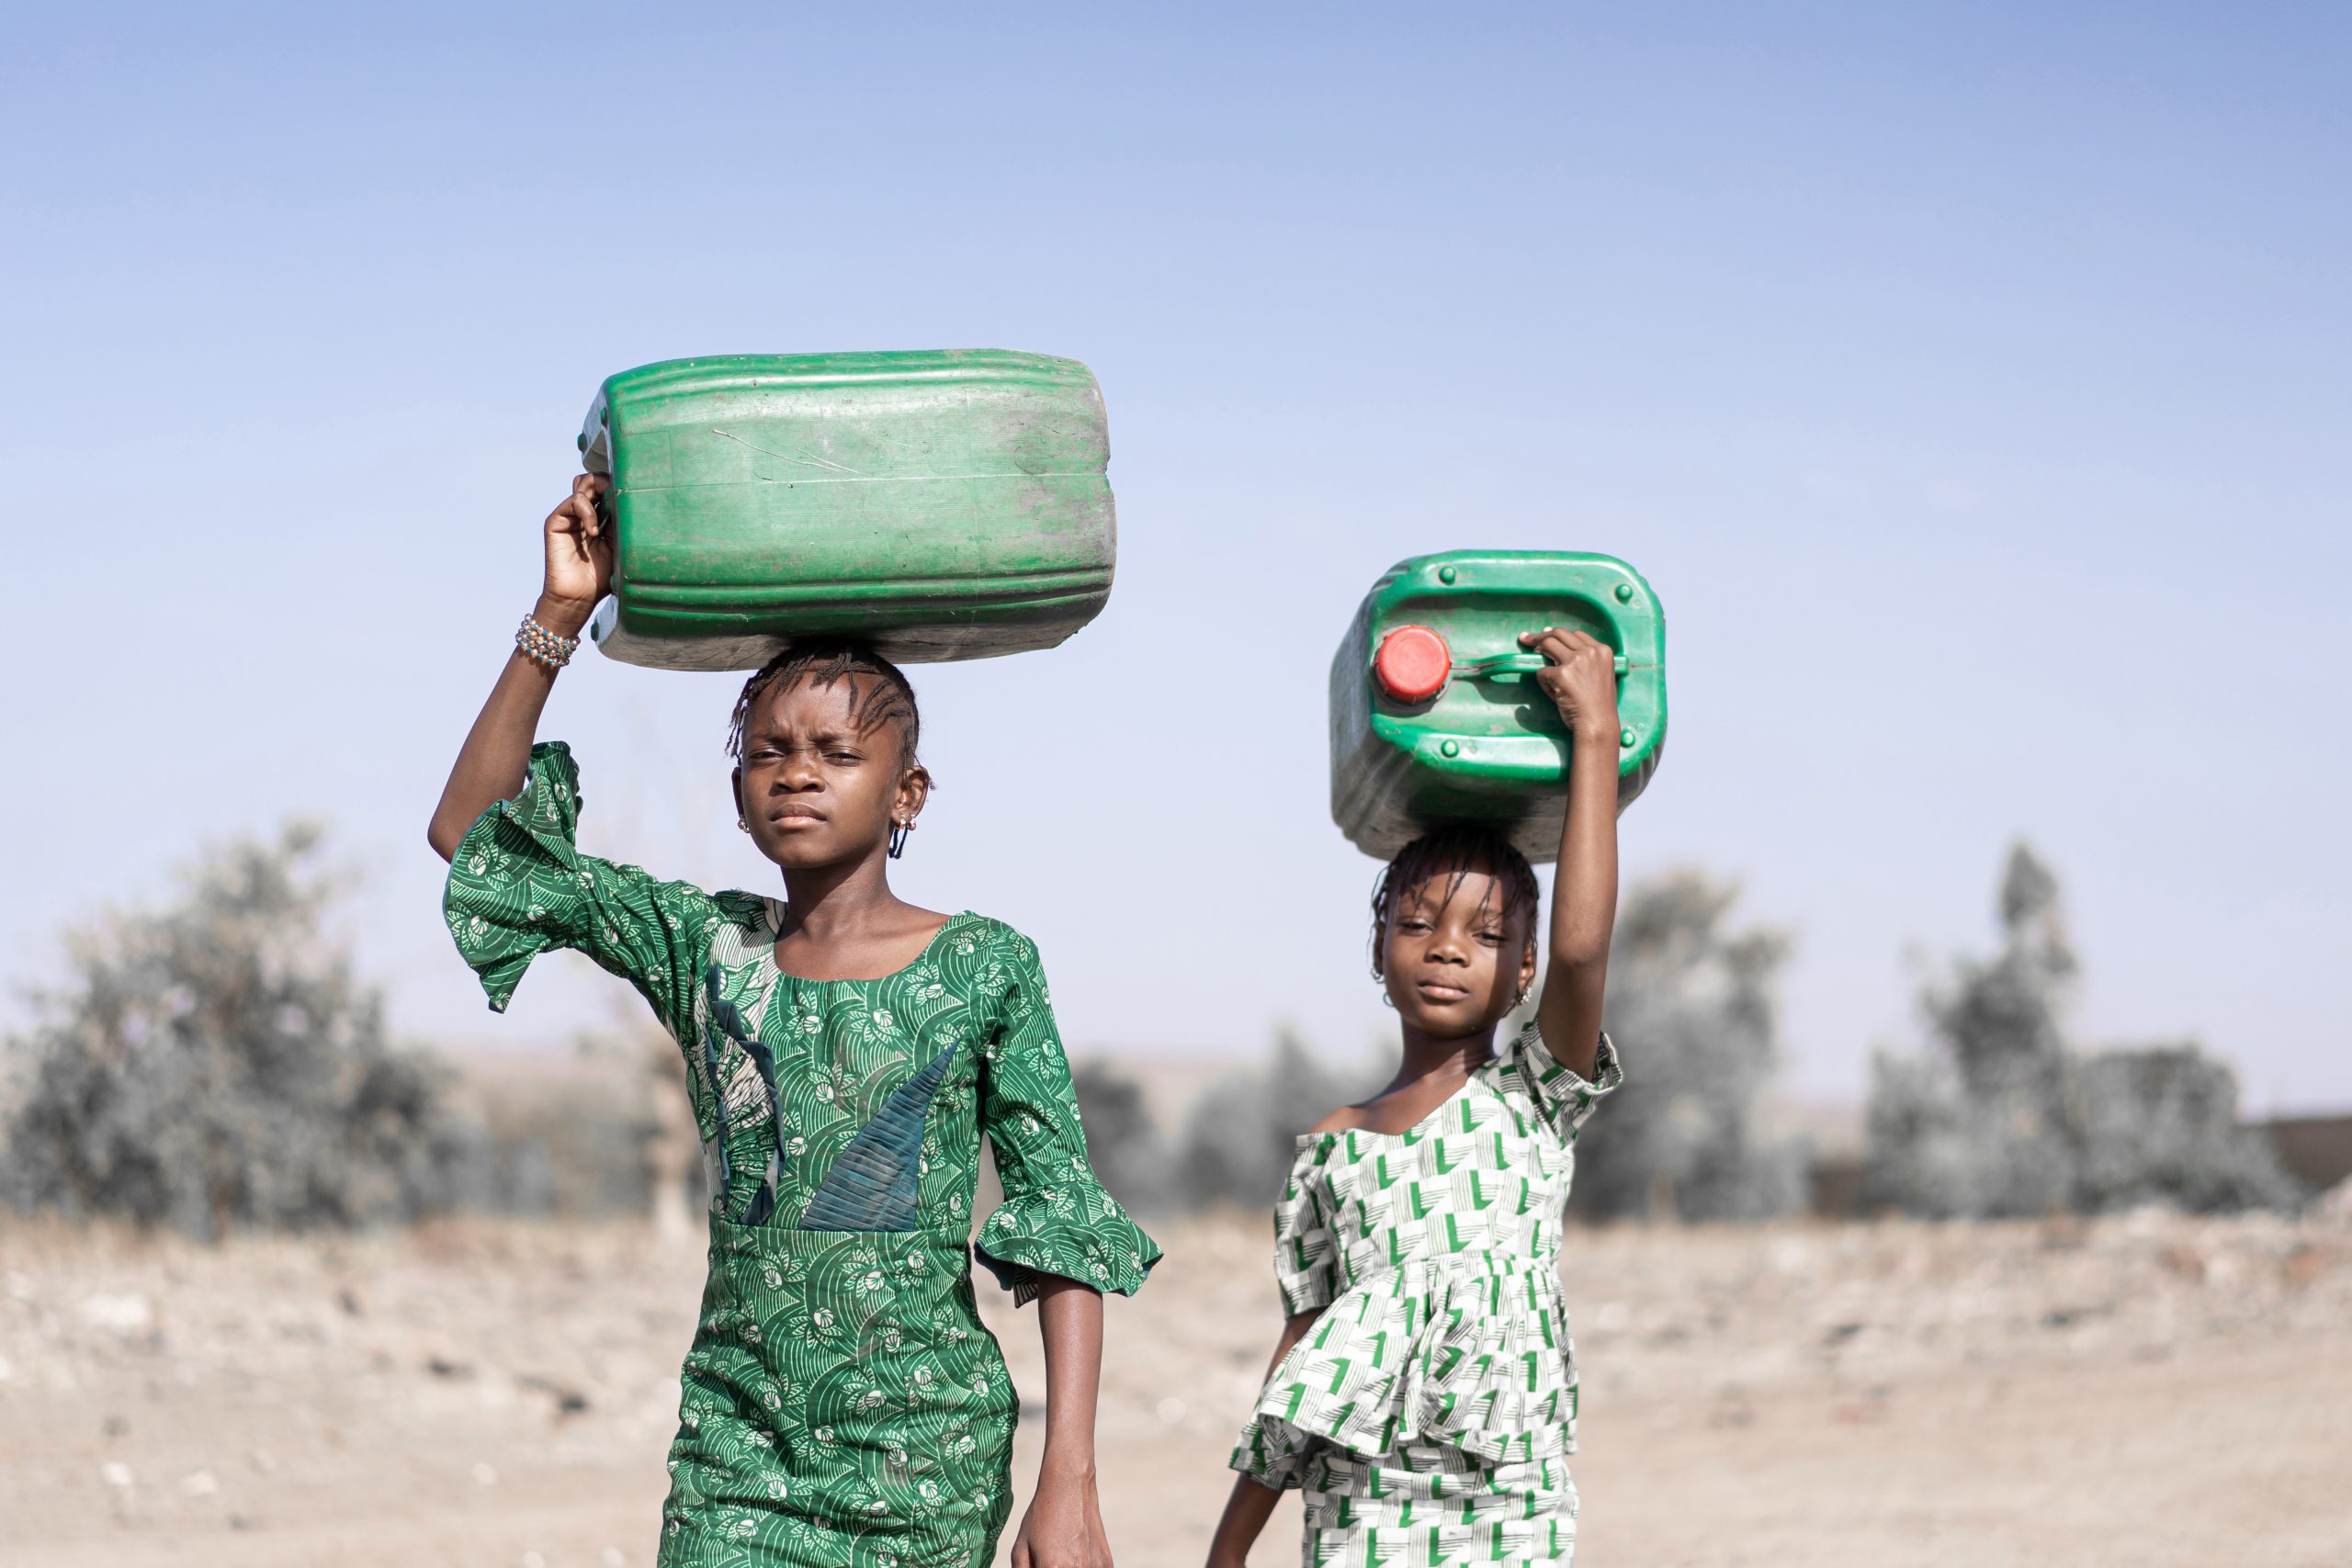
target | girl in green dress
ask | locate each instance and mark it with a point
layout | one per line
(841, 1403)
(1423, 1392)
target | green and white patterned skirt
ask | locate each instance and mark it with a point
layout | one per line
(1432, 1505)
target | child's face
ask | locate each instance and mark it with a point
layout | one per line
(816, 788)
(1454, 964)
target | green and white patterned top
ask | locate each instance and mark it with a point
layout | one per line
(1433, 1254)
(842, 1402)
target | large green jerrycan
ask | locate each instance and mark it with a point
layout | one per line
(939, 504)
(1436, 715)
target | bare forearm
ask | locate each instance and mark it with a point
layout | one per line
(1244, 1520)
(1070, 1320)
(1584, 903)
(1251, 1503)
(497, 749)
(1584, 906)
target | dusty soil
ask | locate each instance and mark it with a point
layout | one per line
(2147, 1389)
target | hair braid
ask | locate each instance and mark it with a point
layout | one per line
(827, 661)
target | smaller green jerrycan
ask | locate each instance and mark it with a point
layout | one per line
(1436, 715)
(947, 505)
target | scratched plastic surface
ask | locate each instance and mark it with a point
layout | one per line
(941, 504)
(1489, 746)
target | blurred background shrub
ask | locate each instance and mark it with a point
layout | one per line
(213, 1062)
(1694, 1003)
(1242, 1132)
(2003, 1116)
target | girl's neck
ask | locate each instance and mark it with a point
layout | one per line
(1428, 1058)
(828, 903)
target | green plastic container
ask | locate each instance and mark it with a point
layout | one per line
(947, 505)
(1451, 726)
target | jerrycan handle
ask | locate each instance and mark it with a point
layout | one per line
(1509, 667)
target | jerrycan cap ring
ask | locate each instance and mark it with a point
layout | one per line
(1413, 664)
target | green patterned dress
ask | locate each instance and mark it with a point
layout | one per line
(1428, 1416)
(841, 1403)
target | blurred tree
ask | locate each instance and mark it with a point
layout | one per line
(214, 1064)
(1242, 1132)
(1986, 1126)
(2003, 1117)
(1122, 1141)
(1693, 1003)
(2161, 1124)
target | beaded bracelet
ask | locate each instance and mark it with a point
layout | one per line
(542, 647)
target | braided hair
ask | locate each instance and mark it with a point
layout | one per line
(1452, 852)
(827, 661)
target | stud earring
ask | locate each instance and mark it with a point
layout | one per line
(743, 825)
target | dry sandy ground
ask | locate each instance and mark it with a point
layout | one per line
(2146, 1390)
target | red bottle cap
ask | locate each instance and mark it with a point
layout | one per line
(1412, 664)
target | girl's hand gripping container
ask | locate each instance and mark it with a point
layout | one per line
(1436, 715)
(939, 504)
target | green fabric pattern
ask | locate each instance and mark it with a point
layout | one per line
(841, 1405)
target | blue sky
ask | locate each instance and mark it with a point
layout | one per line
(1972, 382)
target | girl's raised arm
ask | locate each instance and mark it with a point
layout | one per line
(490, 763)
(1581, 677)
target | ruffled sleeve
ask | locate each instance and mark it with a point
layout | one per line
(1305, 1265)
(1563, 1099)
(1055, 1218)
(518, 886)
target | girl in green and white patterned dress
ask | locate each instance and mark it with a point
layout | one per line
(841, 1406)
(1423, 1392)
